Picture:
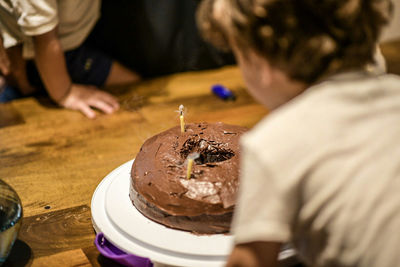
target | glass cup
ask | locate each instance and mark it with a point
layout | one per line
(10, 219)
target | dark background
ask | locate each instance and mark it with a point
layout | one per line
(155, 37)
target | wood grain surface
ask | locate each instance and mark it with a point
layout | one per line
(55, 158)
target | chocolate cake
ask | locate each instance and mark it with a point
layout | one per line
(203, 203)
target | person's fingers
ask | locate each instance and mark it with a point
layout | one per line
(110, 100)
(101, 105)
(87, 111)
(84, 98)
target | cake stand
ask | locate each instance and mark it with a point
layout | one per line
(114, 215)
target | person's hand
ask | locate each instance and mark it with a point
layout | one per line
(254, 254)
(85, 97)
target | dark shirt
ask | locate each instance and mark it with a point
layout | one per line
(155, 37)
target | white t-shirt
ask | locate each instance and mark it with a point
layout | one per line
(22, 19)
(323, 171)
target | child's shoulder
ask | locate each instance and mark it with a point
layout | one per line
(322, 113)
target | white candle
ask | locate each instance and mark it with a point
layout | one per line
(181, 107)
(190, 160)
(189, 168)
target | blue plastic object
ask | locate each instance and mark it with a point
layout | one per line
(223, 92)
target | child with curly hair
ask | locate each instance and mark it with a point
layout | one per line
(322, 169)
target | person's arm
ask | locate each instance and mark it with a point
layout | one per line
(17, 76)
(4, 60)
(254, 254)
(50, 60)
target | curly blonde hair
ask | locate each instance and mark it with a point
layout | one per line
(305, 38)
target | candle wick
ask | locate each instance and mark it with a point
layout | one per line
(181, 108)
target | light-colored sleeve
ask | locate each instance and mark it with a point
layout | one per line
(261, 213)
(38, 16)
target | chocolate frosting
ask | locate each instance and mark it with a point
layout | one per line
(159, 170)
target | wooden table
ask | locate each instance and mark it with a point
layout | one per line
(55, 158)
